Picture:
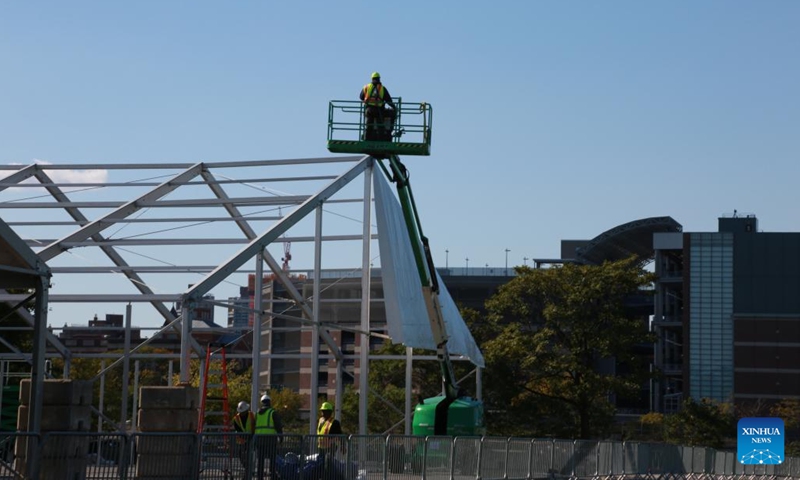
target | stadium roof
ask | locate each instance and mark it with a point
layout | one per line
(623, 241)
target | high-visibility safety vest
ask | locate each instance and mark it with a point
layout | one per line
(374, 97)
(323, 427)
(265, 423)
(243, 428)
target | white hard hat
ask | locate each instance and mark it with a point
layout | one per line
(265, 398)
(243, 407)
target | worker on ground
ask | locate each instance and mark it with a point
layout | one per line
(244, 424)
(379, 120)
(327, 445)
(268, 428)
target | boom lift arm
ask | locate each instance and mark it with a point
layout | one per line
(430, 288)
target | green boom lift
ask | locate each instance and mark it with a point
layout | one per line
(453, 413)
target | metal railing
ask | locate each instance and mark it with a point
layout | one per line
(79, 456)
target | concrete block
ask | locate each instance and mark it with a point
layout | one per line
(168, 420)
(166, 466)
(166, 445)
(58, 418)
(180, 397)
(59, 392)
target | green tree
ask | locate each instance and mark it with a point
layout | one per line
(551, 329)
(704, 423)
(789, 410)
(386, 401)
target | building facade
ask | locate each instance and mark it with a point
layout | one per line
(727, 315)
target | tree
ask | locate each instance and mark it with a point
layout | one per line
(788, 409)
(387, 378)
(552, 329)
(704, 423)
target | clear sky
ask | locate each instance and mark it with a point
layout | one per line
(552, 119)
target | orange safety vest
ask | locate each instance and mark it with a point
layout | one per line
(373, 97)
(246, 428)
(323, 427)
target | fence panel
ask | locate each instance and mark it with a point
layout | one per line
(405, 457)
(438, 461)
(174, 455)
(493, 458)
(466, 451)
(609, 458)
(563, 458)
(584, 458)
(630, 458)
(518, 459)
(541, 457)
(13, 453)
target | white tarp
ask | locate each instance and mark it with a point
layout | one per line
(406, 315)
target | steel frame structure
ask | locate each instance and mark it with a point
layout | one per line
(90, 233)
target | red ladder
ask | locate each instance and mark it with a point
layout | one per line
(223, 385)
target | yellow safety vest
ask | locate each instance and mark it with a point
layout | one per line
(372, 97)
(265, 424)
(323, 427)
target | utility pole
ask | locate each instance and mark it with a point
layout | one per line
(525, 261)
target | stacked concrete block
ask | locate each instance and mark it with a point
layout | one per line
(66, 407)
(164, 411)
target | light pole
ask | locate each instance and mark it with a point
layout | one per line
(507, 250)
(467, 260)
(447, 259)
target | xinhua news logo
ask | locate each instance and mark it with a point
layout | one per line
(760, 441)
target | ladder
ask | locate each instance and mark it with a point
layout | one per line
(220, 375)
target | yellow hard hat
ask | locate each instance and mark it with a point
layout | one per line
(376, 75)
(326, 406)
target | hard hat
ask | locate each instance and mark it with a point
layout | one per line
(265, 398)
(376, 75)
(243, 407)
(326, 406)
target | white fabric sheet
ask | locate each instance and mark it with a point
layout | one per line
(406, 314)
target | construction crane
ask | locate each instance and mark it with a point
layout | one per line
(287, 255)
(453, 413)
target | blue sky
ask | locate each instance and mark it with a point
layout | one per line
(552, 119)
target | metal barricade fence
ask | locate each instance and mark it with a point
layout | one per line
(518, 459)
(83, 455)
(174, 455)
(584, 458)
(542, 452)
(466, 456)
(223, 456)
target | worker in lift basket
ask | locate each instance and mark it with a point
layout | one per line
(379, 120)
